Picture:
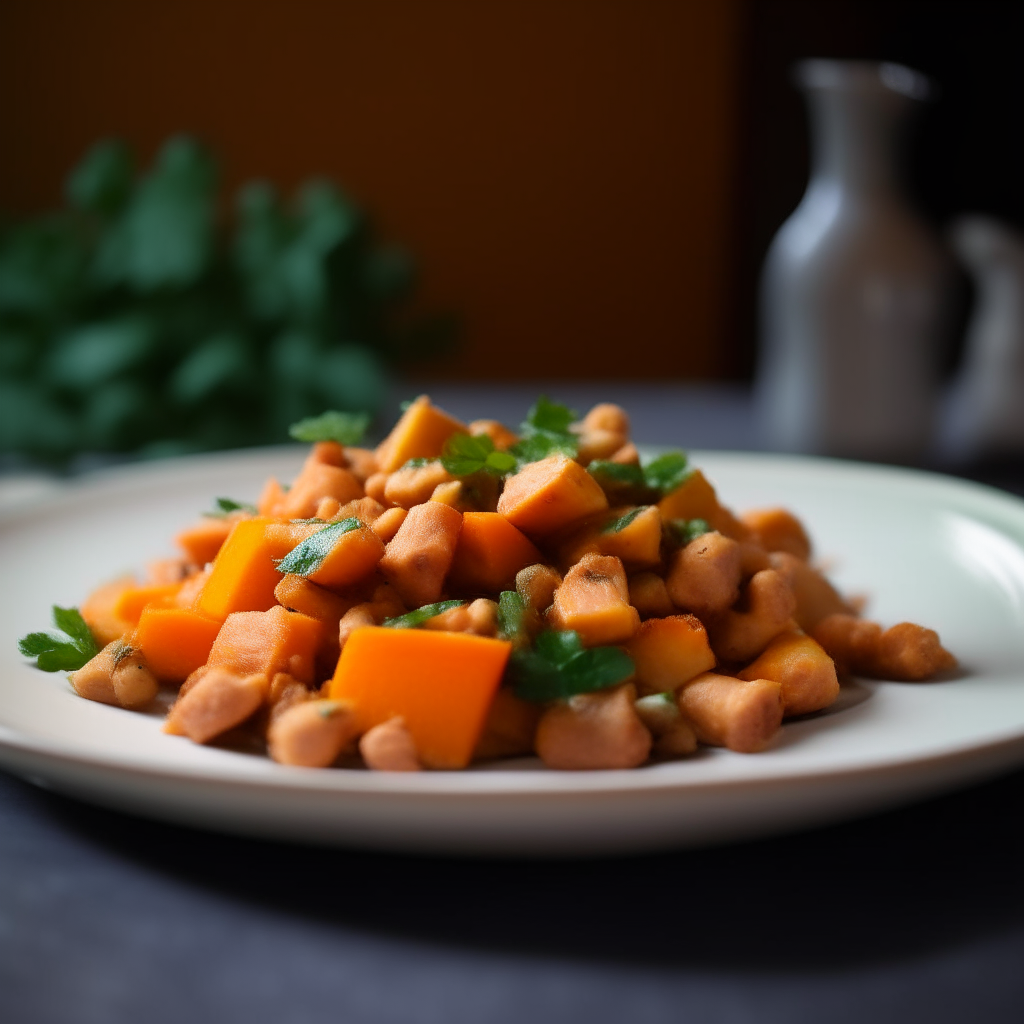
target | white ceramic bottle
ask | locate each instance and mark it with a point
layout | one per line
(987, 402)
(853, 284)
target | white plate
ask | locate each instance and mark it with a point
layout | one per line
(925, 548)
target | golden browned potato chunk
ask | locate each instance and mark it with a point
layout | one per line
(632, 534)
(594, 601)
(598, 444)
(649, 595)
(695, 498)
(361, 463)
(905, 652)
(704, 577)
(593, 730)
(219, 701)
(387, 523)
(815, 596)
(776, 529)
(134, 684)
(547, 496)
(669, 652)
(420, 554)
(739, 636)
(311, 733)
(316, 482)
(413, 485)
(799, 664)
(849, 641)
(742, 715)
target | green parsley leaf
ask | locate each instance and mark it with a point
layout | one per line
(465, 455)
(343, 427)
(666, 472)
(540, 446)
(549, 417)
(559, 666)
(685, 530)
(410, 620)
(511, 609)
(67, 651)
(624, 520)
(225, 506)
(417, 463)
(305, 558)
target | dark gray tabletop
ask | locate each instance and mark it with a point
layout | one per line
(917, 914)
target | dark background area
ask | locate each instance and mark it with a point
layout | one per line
(592, 185)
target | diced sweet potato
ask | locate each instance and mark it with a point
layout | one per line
(593, 731)
(669, 652)
(695, 498)
(598, 444)
(361, 463)
(442, 685)
(421, 433)
(271, 499)
(203, 540)
(489, 553)
(352, 556)
(547, 496)
(298, 594)
(649, 595)
(742, 715)
(130, 602)
(634, 535)
(799, 664)
(98, 610)
(419, 556)
(777, 529)
(219, 701)
(368, 510)
(704, 576)
(502, 437)
(593, 600)
(174, 641)
(268, 642)
(244, 573)
(849, 641)
(741, 635)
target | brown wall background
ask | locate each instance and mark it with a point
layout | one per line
(562, 169)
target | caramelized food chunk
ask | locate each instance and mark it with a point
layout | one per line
(742, 715)
(546, 496)
(593, 600)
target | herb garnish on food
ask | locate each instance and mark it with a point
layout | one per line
(559, 666)
(61, 653)
(344, 427)
(304, 559)
(410, 620)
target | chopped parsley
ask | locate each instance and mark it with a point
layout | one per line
(67, 651)
(465, 455)
(343, 427)
(410, 620)
(560, 666)
(305, 558)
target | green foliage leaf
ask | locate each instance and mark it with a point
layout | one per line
(624, 520)
(465, 455)
(544, 432)
(548, 417)
(559, 667)
(410, 620)
(66, 651)
(225, 506)
(305, 558)
(685, 530)
(666, 472)
(346, 428)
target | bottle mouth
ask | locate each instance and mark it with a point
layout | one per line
(864, 76)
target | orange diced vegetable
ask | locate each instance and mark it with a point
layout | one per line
(298, 594)
(420, 434)
(669, 652)
(777, 529)
(268, 642)
(174, 641)
(442, 684)
(244, 574)
(130, 603)
(203, 540)
(489, 554)
(316, 482)
(336, 555)
(420, 554)
(502, 437)
(801, 667)
(546, 496)
(387, 524)
(634, 535)
(98, 610)
(695, 498)
(594, 601)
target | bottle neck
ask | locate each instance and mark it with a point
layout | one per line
(856, 139)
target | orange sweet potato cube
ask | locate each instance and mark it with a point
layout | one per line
(668, 652)
(419, 434)
(130, 602)
(174, 641)
(593, 600)
(203, 540)
(98, 610)
(548, 495)
(419, 556)
(803, 669)
(489, 553)
(252, 643)
(244, 573)
(441, 683)
(695, 498)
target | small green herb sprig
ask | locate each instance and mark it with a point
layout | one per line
(465, 455)
(559, 666)
(647, 483)
(545, 431)
(682, 531)
(618, 525)
(346, 428)
(67, 651)
(306, 557)
(410, 620)
(225, 506)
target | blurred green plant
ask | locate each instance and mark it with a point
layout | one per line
(135, 319)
